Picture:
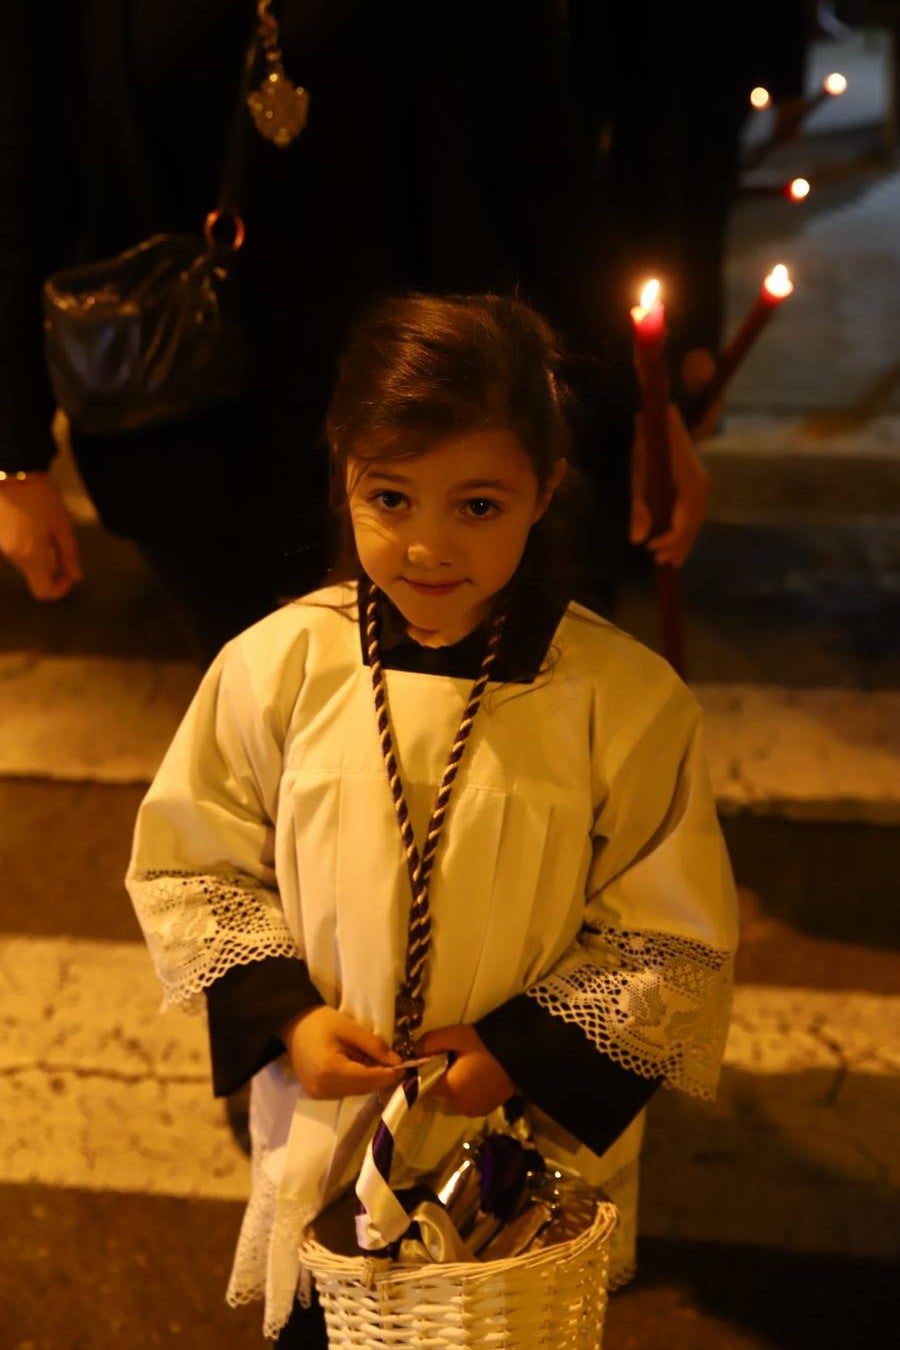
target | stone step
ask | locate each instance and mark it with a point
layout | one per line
(826, 754)
(831, 569)
(827, 469)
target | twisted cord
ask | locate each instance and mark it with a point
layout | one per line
(410, 1005)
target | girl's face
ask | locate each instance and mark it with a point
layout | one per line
(441, 534)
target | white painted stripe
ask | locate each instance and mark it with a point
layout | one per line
(99, 1090)
(778, 1030)
(103, 720)
(816, 753)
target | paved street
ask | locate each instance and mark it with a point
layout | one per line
(770, 1220)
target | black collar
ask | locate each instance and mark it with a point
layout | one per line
(526, 640)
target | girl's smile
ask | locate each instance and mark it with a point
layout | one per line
(442, 533)
(433, 587)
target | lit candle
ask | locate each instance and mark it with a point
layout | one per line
(776, 287)
(648, 320)
(832, 86)
(797, 190)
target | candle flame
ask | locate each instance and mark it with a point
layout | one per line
(835, 83)
(798, 188)
(778, 283)
(760, 97)
(650, 295)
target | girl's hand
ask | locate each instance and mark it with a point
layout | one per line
(333, 1056)
(476, 1083)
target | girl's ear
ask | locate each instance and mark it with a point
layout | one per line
(552, 483)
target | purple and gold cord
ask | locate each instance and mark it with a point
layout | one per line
(410, 1004)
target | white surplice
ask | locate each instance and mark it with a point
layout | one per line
(582, 863)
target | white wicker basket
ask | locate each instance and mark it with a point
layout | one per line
(553, 1298)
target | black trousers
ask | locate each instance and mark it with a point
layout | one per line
(305, 1330)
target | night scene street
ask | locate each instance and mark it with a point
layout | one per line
(769, 1219)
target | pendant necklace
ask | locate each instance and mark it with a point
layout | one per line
(278, 107)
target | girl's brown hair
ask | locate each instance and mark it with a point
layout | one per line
(417, 368)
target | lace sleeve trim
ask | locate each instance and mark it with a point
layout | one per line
(655, 1003)
(198, 925)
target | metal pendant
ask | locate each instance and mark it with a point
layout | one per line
(279, 108)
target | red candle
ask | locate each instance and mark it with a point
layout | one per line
(776, 287)
(833, 86)
(797, 190)
(648, 321)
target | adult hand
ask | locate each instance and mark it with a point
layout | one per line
(691, 483)
(333, 1056)
(36, 535)
(476, 1083)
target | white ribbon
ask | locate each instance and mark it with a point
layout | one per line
(383, 1219)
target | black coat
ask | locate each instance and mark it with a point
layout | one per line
(441, 154)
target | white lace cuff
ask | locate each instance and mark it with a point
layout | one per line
(198, 925)
(655, 1003)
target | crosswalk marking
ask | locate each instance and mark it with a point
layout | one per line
(99, 719)
(811, 753)
(829, 754)
(101, 1091)
(98, 1089)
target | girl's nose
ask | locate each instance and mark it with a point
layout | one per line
(424, 552)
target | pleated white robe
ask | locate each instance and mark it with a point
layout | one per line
(582, 862)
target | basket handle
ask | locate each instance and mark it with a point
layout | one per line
(382, 1219)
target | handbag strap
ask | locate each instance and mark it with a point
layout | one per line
(410, 1004)
(232, 177)
(231, 181)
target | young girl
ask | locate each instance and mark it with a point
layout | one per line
(575, 943)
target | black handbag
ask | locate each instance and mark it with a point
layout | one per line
(152, 335)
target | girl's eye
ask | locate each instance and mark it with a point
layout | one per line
(481, 507)
(388, 499)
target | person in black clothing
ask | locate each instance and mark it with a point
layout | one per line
(441, 154)
(665, 91)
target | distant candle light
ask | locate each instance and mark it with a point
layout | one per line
(778, 283)
(760, 98)
(797, 190)
(793, 115)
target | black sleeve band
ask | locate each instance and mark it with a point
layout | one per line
(247, 1006)
(555, 1066)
